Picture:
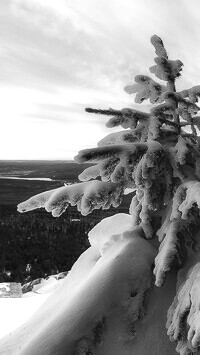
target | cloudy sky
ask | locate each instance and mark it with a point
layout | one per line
(59, 56)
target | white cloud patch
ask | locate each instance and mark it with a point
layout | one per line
(58, 57)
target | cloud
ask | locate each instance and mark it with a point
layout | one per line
(43, 48)
(57, 57)
(90, 44)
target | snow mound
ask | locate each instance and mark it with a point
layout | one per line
(110, 229)
(99, 289)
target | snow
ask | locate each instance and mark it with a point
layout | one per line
(159, 46)
(120, 137)
(119, 162)
(45, 286)
(186, 196)
(167, 251)
(102, 297)
(166, 69)
(87, 196)
(5, 286)
(193, 93)
(16, 311)
(186, 305)
(146, 88)
(98, 287)
(129, 118)
(109, 229)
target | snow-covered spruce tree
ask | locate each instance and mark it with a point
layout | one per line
(104, 305)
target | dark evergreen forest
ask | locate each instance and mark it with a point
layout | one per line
(35, 244)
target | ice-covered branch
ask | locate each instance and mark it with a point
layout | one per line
(86, 196)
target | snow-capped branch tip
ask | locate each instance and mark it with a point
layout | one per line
(166, 69)
(159, 46)
(127, 117)
(146, 88)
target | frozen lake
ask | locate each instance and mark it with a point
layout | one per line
(25, 178)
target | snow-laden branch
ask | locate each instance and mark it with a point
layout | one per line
(166, 69)
(140, 210)
(127, 118)
(180, 151)
(178, 218)
(159, 46)
(168, 249)
(193, 93)
(184, 104)
(121, 137)
(139, 162)
(146, 88)
(196, 121)
(183, 321)
(86, 196)
(163, 111)
(186, 197)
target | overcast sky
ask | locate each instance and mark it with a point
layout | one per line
(59, 56)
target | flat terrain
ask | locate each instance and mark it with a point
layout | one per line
(54, 169)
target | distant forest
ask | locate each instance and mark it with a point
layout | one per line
(35, 244)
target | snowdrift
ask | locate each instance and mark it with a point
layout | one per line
(107, 282)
